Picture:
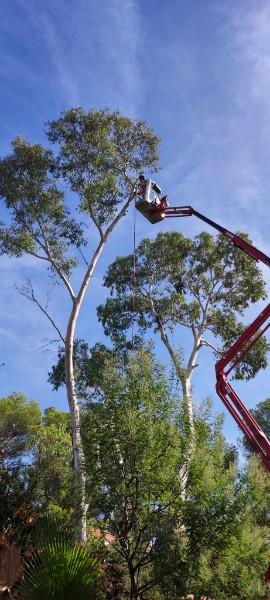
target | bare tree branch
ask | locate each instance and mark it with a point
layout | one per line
(96, 223)
(48, 343)
(28, 292)
(46, 247)
(206, 343)
(82, 255)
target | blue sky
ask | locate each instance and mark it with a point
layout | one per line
(199, 73)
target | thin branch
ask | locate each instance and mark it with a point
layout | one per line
(38, 256)
(47, 251)
(49, 295)
(82, 255)
(95, 221)
(28, 292)
(95, 257)
(49, 343)
(206, 343)
(147, 586)
(120, 214)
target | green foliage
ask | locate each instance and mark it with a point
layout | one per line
(40, 223)
(132, 458)
(35, 460)
(200, 545)
(58, 568)
(257, 484)
(225, 326)
(18, 418)
(261, 414)
(61, 420)
(100, 154)
(202, 284)
(228, 552)
(51, 469)
(88, 367)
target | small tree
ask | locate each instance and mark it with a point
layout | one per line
(18, 421)
(35, 463)
(56, 568)
(50, 472)
(203, 285)
(98, 157)
(132, 457)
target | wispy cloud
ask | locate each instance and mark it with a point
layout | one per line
(40, 20)
(106, 47)
(93, 49)
(251, 41)
(67, 79)
(224, 166)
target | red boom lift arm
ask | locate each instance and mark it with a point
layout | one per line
(155, 209)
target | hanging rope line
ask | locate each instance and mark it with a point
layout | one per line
(134, 277)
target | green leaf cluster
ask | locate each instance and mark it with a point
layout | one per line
(101, 154)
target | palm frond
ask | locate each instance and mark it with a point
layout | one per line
(59, 569)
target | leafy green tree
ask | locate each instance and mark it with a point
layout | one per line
(88, 366)
(132, 456)
(51, 416)
(51, 471)
(35, 461)
(98, 157)
(18, 420)
(203, 285)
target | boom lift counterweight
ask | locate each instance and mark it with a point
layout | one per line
(156, 208)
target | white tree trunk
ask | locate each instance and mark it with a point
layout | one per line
(188, 404)
(184, 375)
(78, 453)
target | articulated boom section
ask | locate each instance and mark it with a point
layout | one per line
(156, 209)
(239, 412)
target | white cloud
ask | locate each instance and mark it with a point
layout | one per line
(93, 49)
(41, 22)
(66, 78)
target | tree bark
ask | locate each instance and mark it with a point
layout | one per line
(134, 589)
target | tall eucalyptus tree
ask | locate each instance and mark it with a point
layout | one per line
(96, 161)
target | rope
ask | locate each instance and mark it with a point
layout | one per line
(134, 276)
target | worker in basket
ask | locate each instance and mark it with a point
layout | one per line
(144, 190)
